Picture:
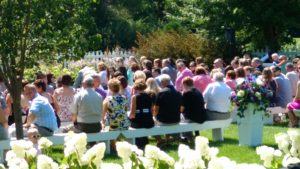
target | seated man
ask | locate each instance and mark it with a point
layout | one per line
(217, 98)
(167, 103)
(87, 108)
(41, 113)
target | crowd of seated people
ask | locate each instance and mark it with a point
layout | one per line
(145, 93)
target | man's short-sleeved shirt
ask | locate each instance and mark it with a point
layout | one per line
(45, 115)
(87, 105)
(169, 101)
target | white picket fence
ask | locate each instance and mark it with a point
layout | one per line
(289, 53)
(108, 54)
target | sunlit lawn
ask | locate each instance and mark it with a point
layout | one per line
(229, 147)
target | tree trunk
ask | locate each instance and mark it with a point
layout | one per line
(16, 109)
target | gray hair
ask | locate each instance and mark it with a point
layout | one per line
(164, 78)
(166, 62)
(94, 76)
(181, 64)
(88, 81)
(256, 59)
(218, 76)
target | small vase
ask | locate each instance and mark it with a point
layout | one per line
(251, 127)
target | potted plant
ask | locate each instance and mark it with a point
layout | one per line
(252, 98)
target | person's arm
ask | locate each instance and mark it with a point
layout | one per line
(156, 110)
(181, 109)
(30, 118)
(105, 109)
(56, 105)
(9, 103)
(133, 107)
(297, 96)
(3, 120)
(74, 108)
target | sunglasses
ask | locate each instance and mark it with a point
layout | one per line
(36, 136)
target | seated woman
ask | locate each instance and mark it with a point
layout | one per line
(141, 111)
(217, 98)
(115, 108)
(3, 125)
(65, 96)
(294, 106)
(192, 106)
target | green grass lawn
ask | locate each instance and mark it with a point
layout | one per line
(229, 147)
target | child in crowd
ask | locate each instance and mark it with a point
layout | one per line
(33, 136)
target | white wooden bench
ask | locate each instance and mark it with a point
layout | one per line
(216, 126)
(58, 139)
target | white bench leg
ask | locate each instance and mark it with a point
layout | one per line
(217, 134)
(107, 144)
(131, 141)
(2, 156)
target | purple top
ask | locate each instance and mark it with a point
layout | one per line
(101, 92)
(181, 75)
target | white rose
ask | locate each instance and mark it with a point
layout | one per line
(44, 143)
(18, 163)
(32, 152)
(19, 148)
(201, 146)
(221, 163)
(283, 141)
(75, 143)
(124, 150)
(110, 166)
(288, 159)
(277, 153)
(94, 155)
(10, 155)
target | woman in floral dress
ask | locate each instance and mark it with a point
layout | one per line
(115, 108)
(64, 96)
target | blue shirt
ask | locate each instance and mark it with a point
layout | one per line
(44, 112)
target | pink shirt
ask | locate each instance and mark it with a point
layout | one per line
(231, 83)
(181, 75)
(201, 82)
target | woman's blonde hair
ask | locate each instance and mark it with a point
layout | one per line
(139, 75)
(152, 86)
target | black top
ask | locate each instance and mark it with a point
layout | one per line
(260, 68)
(123, 71)
(169, 101)
(148, 73)
(273, 87)
(143, 116)
(193, 104)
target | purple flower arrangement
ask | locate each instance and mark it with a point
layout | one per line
(249, 91)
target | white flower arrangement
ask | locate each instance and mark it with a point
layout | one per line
(202, 157)
(75, 144)
(94, 155)
(44, 143)
(45, 162)
(288, 143)
(268, 154)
